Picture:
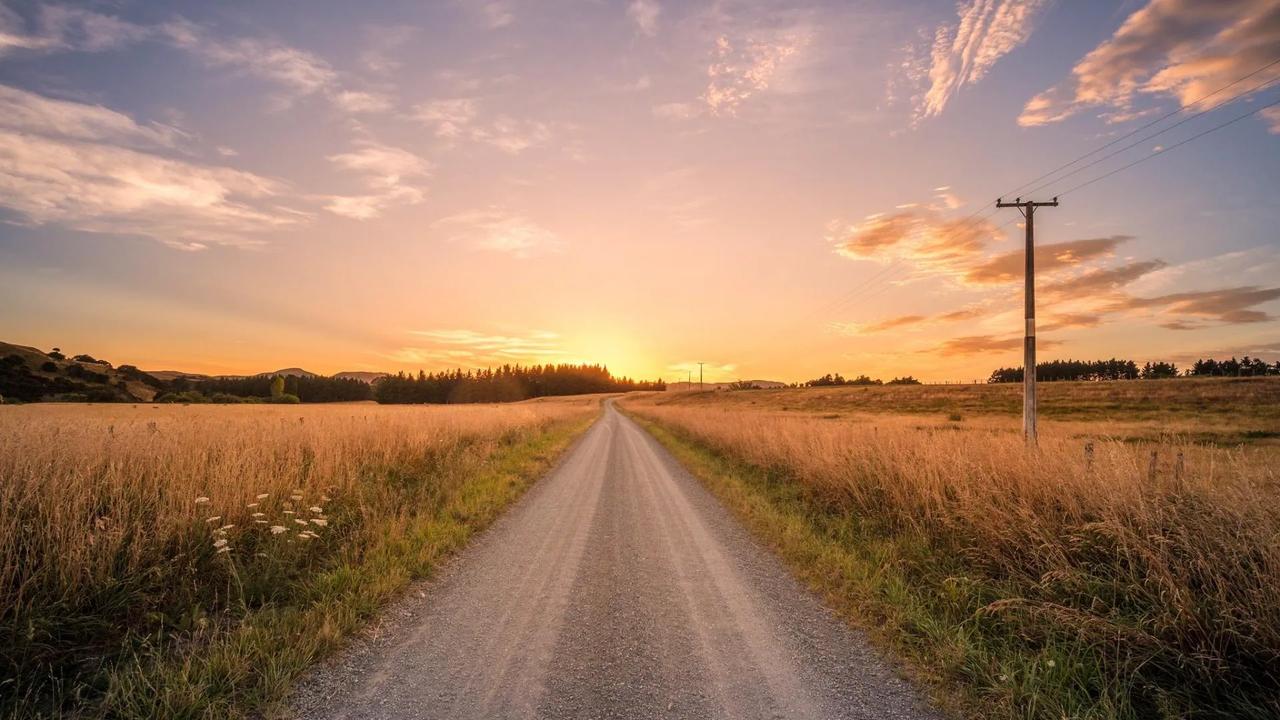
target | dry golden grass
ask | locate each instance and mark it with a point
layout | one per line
(1146, 574)
(1224, 410)
(127, 526)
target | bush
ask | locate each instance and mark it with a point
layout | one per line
(49, 366)
(284, 399)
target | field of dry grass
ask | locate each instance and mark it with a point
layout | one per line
(162, 561)
(1120, 571)
(1223, 410)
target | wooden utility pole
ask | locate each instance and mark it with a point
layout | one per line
(700, 376)
(1028, 210)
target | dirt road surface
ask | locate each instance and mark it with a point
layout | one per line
(618, 587)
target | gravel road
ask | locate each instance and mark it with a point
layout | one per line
(618, 587)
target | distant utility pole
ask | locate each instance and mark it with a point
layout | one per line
(689, 385)
(1028, 210)
(700, 376)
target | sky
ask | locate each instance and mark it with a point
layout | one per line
(776, 189)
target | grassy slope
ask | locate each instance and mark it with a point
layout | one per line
(247, 664)
(927, 607)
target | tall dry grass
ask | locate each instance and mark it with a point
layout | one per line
(125, 528)
(1153, 569)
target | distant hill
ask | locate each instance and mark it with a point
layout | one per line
(368, 377)
(29, 374)
(764, 384)
(291, 372)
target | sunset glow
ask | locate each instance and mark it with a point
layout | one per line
(778, 190)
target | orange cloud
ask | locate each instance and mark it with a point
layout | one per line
(1181, 48)
(1049, 257)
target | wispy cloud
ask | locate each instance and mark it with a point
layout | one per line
(95, 169)
(962, 53)
(497, 230)
(497, 14)
(391, 174)
(1049, 257)
(1183, 49)
(459, 118)
(472, 348)
(644, 13)
(742, 69)
(986, 344)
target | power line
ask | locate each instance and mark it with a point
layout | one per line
(1157, 121)
(1162, 151)
(1152, 136)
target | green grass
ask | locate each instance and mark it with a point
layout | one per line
(241, 658)
(962, 631)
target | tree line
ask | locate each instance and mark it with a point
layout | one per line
(305, 388)
(835, 380)
(1114, 369)
(504, 384)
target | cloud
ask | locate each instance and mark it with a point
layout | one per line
(29, 112)
(644, 13)
(297, 70)
(62, 28)
(499, 231)
(963, 53)
(986, 344)
(357, 102)
(390, 173)
(1103, 279)
(1183, 49)
(1272, 116)
(737, 74)
(449, 117)
(896, 322)
(459, 118)
(100, 188)
(1225, 306)
(1050, 257)
(497, 14)
(453, 347)
(921, 235)
(676, 111)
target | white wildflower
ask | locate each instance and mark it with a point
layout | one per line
(304, 536)
(251, 505)
(257, 515)
(288, 512)
(224, 549)
(263, 496)
(220, 542)
(300, 521)
(213, 519)
(202, 500)
(1051, 663)
(316, 509)
(277, 529)
(225, 528)
(320, 521)
(261, 522)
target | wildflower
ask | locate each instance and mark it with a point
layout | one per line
(300, 521)
(225, 528)
(324, 498)
(1004, 678)
(288, 512)
(213, 519)
(1051, 663)
(304, 536)
(295, 498)
(316, 509)
(252, 505)
(225, 548)
(202, 500)
(320, 521)
(263, 496)
(261, 522)
(220, 543)
(261, 554)
(277, 529)
(257, 515)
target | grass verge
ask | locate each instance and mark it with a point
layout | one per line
(257, 620)
(993, 644)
